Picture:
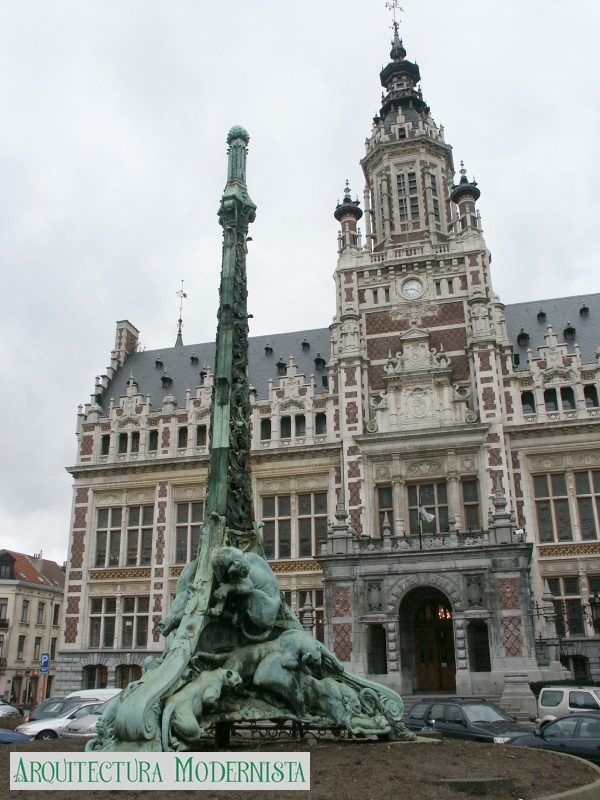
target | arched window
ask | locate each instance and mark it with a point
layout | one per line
(377, 652)
(95, 676)
(479, 647)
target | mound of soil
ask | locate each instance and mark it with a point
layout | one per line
(367, 770)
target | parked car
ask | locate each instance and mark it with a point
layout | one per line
(576, 734)
(85, 727)
(94, 694)
(12, 737)
(8, 710)
(466, 719)
(50, 708)
(559, 701)
(53, 728)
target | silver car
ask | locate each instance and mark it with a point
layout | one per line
(53, 728)
(8, 710)
(85, 727)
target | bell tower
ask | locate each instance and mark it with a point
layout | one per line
(422, 266)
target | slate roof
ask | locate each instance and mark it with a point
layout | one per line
(262, 366)
(37, 570)
(559, 312)
(186, 375)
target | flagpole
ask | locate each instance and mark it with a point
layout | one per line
(420, 522)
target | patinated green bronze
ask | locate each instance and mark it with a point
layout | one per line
(235, 651)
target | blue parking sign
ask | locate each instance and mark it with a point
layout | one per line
(45, 664)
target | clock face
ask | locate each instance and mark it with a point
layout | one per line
(412, 288)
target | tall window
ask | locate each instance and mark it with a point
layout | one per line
(567, 398)
(201, 436)
(37, 646)
(300, 425)
(3, 608)
(182, 438)
(95, 677)
(265, 429)
(135, 442)
(312, 523)
(528, 402)
(105, 444)
(385, 506)
(286, 427)
(40, 613)
(587, 487)
(153, 440)
(436, 202)
(135, 612)
(567, 604)
(139, 535)
(479, 646)
(108, 537)
(277, 531)
(402, 197)
(187, 536)
(320, 424)
(53, 648)
(20, 648)
(550, 400)
(25, 611)
(471, 505)
(56, 615)
(590, 394)
(433, 498)
(102, 622)
(123, 443)
(552, 507)
(127, 673)
(1, 645)
(413, 195)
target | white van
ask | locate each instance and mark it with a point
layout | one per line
(560, 701)
(94, 694)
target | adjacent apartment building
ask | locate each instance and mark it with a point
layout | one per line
(31, 599)
(427, 468)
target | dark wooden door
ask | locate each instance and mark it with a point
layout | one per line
(434, 648)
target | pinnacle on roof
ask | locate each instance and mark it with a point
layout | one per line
(348, 206)
(465, 188)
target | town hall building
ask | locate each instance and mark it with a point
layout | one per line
(426, 469)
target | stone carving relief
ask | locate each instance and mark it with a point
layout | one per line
(109, 498)
(426, 468)
(474, 591)
(140, 496)
(188, 493)
(547, 462)
(374, 597)
(586, 459)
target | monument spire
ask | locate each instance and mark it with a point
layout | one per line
(229, 492)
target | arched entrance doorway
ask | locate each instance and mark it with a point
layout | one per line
(427, 640)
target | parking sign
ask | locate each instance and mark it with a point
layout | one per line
(45, 664)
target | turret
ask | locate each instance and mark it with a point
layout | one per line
(465, 195)
(400, 79)
(347, 214)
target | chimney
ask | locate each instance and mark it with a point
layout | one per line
(126, 340)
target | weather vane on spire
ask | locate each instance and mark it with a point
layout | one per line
(392, 5)
(182, 296)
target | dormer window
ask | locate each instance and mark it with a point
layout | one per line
(541, 317)
(281, 366)
(319, 362)
(194, 358)
(523, 338)
(569, 333)
(584, 310)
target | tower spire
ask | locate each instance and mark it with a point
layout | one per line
(182, 296)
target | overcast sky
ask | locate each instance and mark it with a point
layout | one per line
(113, 160)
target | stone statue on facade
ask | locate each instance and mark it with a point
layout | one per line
(235, 652)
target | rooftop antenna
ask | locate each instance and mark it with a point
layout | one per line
(393, 5)
(182, 296)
